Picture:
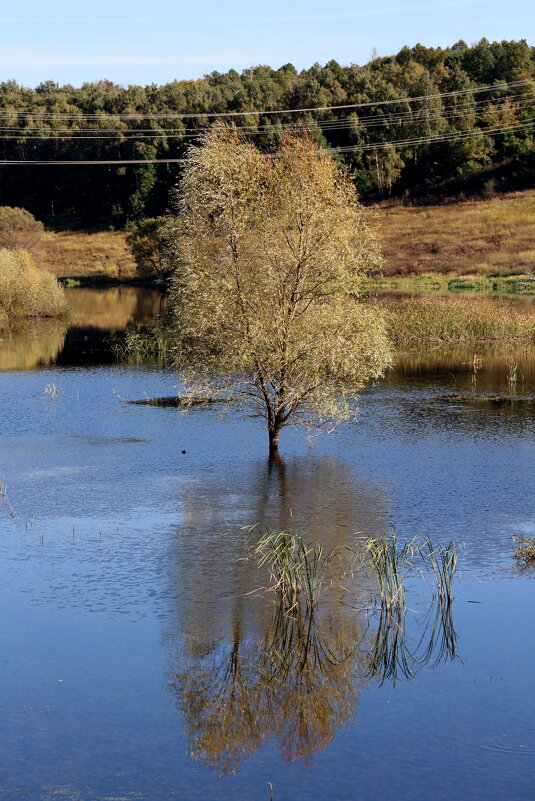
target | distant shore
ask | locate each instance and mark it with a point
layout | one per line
(492, 240)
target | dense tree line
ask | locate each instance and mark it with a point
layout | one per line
(51, 123)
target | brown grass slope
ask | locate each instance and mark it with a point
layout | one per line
(477, 237)
(473, 237)
(89, 254)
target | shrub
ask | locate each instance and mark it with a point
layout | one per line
(147, 241)
(19, 230)
(26, 290)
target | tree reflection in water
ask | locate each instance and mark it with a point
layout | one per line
(251, 668)
(297, 687)
(300, 682)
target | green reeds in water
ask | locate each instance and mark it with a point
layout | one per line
(152, 343)
(296, 570)
(390, 563)
(440, 562)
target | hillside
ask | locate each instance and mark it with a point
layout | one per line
(494, 237)
(485, 237)
(426, 122)
(88, 254)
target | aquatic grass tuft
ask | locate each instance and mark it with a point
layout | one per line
(524, 552)
(441, 562)
(296, 570)
(152, 343)
(390, 563)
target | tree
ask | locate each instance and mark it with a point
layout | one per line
(270, 252)
(147, 241)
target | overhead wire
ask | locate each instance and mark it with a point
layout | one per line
(527, 125)
(325, 126)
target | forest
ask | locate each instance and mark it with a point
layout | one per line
(427, 123)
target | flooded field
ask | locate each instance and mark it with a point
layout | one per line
(137, 660)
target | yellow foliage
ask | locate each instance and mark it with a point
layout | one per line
(270, 252)
(26, 290)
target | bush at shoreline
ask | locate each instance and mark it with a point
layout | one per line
(26, 290)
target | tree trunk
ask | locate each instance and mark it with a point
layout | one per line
(274, 434)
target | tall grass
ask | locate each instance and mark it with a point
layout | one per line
(296, 570)
(26, 290)
(458, 319)
(152, 343)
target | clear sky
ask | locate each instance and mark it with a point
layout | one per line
(143, 42)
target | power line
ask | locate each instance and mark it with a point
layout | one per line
(265, 112)
(345, 149)
(325, 126)
(432, 139)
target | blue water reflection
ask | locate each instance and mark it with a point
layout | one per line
(121, 548)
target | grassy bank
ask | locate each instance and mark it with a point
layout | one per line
(87, 254)
(445, 285)
(458, 319)
(489, 239)
(494, 237)
(27, 290)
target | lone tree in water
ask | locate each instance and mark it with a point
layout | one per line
(270, 250)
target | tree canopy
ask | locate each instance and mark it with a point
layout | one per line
(102, 120)
(270, 249)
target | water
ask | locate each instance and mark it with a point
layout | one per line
(131, 647)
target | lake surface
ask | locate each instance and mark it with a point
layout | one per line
(132, 643)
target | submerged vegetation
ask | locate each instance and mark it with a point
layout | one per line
(26, 290)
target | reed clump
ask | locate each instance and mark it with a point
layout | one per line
(524, 552)
(458, 319)
(391, 565)
(296, 570)
(26, 290)
(152, 343)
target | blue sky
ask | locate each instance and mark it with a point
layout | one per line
(139, 42)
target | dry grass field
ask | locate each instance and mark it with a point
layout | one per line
(80, 253)
(494, 237)
(486, 238)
